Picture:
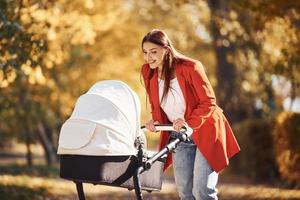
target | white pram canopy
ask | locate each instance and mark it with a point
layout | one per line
(105, 121)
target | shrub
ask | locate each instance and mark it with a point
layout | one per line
(257, 157)
(287, 144)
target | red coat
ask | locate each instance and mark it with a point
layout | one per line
(212, 133)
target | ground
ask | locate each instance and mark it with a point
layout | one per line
(42, 183)
(59, 189)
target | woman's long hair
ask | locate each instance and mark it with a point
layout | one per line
(171, 57)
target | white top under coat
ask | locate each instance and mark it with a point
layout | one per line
(174, 104)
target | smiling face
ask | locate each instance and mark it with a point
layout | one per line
(154, 55)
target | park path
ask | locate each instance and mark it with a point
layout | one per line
(227, 191)
(59, 189)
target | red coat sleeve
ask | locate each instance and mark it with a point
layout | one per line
(205, 94)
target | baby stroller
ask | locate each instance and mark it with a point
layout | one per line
(103, 143)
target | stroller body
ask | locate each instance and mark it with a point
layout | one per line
(103, 143)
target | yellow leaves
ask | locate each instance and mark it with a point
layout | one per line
(4, 41)
(59, 26)
(83, 32)
(65, 100)
(11, 76)
(40, 15)
(1, 75)
(51, 35)
(3, 82)
(233, 15)
(246, 86)
(25, 18)
(8, 56)
(67, 104)
(25, 13)
(72, 26)
(48, 63)
(231, 28)
(282, 118)
(35, 75)
(89, 4)
(8, 78)
(108, 20)
(38, 76)
(286, 135)
(54, 56)
(278, 35)
(50, 83)
(26, 67)
(54, 17)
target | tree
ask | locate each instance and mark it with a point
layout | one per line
(38, 38)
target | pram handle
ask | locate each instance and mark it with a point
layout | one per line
(169, 127)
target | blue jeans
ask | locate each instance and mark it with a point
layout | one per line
(194, 177)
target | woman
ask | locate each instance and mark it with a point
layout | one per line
(180, 93)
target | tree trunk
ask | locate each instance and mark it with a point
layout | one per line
(46, 144)
(226, 72)
(23, 108)
(54, 141)
(28, 149)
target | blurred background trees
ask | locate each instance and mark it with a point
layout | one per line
(51, 52)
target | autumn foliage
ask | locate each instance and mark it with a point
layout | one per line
(257, 157)
(287, 144)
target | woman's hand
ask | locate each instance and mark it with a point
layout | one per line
(178, 124)
(150, 125)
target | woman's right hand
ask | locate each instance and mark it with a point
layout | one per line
(150, 125)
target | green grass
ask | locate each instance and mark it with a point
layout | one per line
(37, 170)
(12, 192)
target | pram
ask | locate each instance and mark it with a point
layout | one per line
(103, 143)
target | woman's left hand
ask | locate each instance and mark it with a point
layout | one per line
(178, 124)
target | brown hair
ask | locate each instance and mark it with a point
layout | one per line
(171, 58)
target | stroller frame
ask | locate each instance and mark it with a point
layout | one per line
(145, 164)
